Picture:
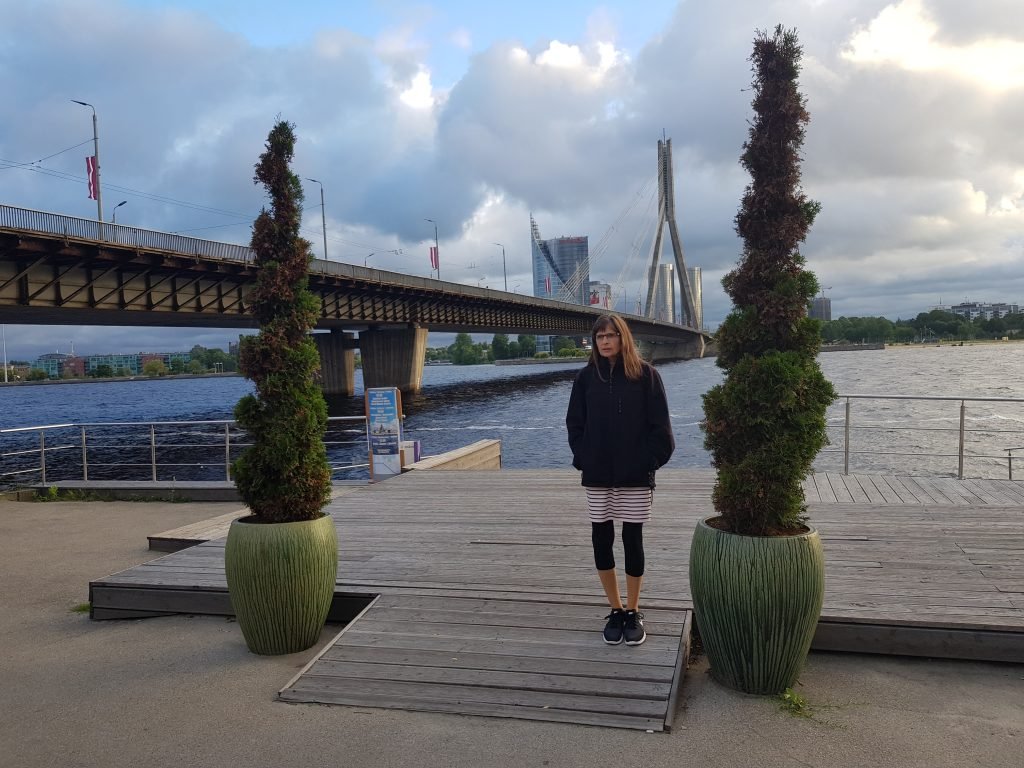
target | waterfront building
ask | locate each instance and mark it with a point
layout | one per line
(53, 364)
(561, 267)
(974, 310)
(665, 295)
(821, 308)
(114, 363)
(697, 294)
(58, 365)
(561, 271)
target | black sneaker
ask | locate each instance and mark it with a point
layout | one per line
(633, 628)
(613, 629)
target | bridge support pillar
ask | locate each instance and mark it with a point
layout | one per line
(337, 362)
(393, 357)
(653, 351)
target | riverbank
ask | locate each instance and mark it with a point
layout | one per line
(111, 379)
(542, 361)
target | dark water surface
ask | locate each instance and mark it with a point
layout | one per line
(524, 407)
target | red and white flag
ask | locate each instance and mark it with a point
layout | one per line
(90, 172)
(547, 285)
(434, 260)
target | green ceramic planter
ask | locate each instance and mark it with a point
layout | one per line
(757, 600)
(281, 581)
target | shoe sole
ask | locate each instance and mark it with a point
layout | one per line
(637, 642)
(612, 642)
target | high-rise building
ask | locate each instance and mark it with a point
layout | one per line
(561, 267)
(665, 295)
(821, 308)
(697, 294)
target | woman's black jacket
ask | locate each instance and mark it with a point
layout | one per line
(619, 430)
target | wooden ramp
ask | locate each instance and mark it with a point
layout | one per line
(500, 658)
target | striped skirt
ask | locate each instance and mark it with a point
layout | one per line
(628, 505)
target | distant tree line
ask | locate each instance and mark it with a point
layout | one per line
(464, 351)
(927, 326)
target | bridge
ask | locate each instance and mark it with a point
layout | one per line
(62, 270)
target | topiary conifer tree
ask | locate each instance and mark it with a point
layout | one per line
(765, 424)
(284, 476)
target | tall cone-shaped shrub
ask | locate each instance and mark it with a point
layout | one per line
(765, 423)
(284, 475)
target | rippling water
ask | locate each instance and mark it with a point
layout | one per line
(524, 407)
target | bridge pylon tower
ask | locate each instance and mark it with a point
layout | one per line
(667, 216)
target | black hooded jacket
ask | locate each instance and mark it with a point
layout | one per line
(619, 430)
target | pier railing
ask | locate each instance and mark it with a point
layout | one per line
(151, 450)
(926, 434)
(908, 434)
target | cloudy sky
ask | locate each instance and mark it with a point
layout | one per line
(477, 114)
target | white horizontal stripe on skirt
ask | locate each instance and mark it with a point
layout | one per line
(628, 505)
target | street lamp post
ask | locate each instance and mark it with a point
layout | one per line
(503, 270)
(323, 214)
(96, 154)
(437, 248)
(396, 251)
(113, 219)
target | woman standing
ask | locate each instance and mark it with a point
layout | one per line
(619, 433)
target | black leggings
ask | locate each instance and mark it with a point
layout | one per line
(603, 536)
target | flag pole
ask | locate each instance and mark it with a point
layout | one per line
(96, 156)
(437, 249)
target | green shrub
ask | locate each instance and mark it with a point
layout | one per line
(284, 476)
(765, 424)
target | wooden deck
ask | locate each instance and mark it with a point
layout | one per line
(478, 594)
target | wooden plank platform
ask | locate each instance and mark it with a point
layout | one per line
(919, 566)
(205, 530)
(500, 658)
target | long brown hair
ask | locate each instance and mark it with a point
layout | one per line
(632, 363)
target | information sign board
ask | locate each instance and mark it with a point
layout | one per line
(384, 430)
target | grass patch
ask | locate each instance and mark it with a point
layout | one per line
(53, 493)
(792, 702)
(82, 608)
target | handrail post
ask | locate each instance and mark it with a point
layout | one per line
(42, 454)
(846, 441)
(152, 449)
(960, 452)
(85, 458)
(227, 452)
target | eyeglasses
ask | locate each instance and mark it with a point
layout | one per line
(607, 336)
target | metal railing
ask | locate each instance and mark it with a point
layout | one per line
(175, 447)
(958, 427)
(90, 229)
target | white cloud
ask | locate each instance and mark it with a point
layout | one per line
(914, 146)
(420, 93)
(905, 35)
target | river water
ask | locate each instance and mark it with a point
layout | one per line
(524, 407)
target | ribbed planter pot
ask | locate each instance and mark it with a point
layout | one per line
(757, 600)
(281, 581)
